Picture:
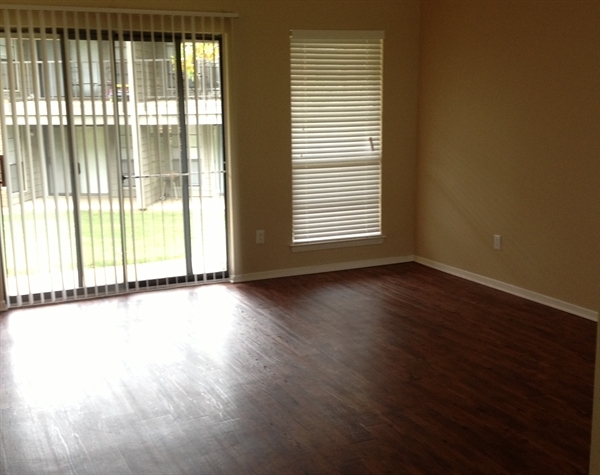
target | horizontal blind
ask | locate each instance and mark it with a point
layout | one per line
(336, 94)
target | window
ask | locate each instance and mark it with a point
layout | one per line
(336, 91)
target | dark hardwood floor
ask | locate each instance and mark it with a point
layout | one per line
(398, 369)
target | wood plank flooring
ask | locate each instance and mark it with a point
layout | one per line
(397, 369)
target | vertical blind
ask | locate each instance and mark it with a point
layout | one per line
(336, 100)
(111, 134)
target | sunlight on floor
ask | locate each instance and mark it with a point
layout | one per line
(54, 368)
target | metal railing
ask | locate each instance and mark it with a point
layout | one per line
(157, 81)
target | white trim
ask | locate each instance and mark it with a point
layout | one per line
(319, 269)
(119, 10)
(337, 34)
(317, 246)
(511, 289)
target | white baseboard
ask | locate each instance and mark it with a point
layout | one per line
(511, 289)
(322, 268)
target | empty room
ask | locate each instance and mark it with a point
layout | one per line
(300, 237)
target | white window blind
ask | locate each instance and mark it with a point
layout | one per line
(336, 94)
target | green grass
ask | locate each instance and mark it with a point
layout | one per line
(150, 236)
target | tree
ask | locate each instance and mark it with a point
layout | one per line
(195, 55)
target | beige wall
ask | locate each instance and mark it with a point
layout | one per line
(509, 143)
(261, 94)
(509, 134)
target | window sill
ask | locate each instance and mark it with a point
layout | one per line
(319, 245)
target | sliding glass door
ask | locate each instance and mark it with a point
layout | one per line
(113, 166)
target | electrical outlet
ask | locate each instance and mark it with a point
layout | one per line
(497, 242)
(260, 236)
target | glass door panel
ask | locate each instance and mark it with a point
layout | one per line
(151, 154)
(114, 162)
